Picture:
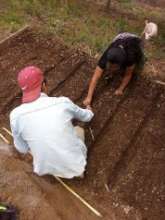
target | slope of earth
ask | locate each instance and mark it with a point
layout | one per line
(124, 177)
(32, 196)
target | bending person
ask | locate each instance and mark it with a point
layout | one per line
(122, 56)
(43, 126)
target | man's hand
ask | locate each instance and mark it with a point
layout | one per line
(126, 80)
(119, 92)
(96, 76)
(87, 101)
(89, 107)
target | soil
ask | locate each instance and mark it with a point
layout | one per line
(124, 177)
(158, 3)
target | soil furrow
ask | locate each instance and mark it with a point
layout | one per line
(119, 132)
(63, 74)
(105, 106)
(141, 183)
(74, 86)
(121, 163)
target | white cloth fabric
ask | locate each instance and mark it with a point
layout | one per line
(45, 128)
(123, 36)
(150, 30)
(80, 132)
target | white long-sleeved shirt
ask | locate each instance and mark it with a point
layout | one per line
(45, 128)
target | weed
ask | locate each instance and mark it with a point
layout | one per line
(79, 24)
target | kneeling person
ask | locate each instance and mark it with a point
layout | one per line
(123, 55)
(44, 126)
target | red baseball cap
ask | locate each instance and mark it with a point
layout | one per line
(30, 80)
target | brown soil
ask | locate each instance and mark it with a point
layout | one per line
(158, 3)
(127, 154)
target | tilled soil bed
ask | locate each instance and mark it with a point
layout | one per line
(125, 172)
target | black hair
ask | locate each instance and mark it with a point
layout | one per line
(117, 55)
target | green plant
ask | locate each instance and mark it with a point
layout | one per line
(79, 23)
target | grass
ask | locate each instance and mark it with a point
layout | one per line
(77, 25)
(10, 19)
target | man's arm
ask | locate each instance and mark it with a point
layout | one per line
(19, 143)
(127, 77)
(96, 76)
(84, 115)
